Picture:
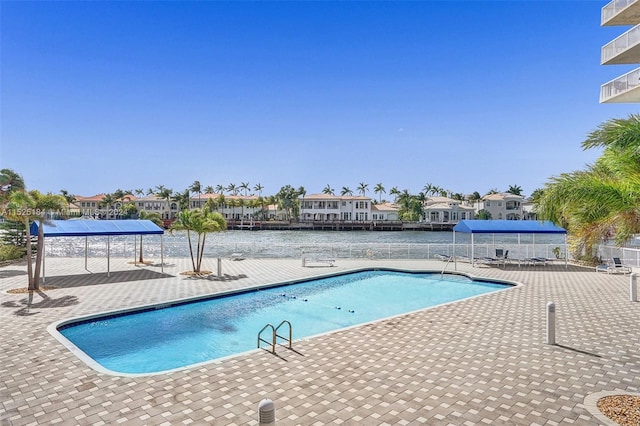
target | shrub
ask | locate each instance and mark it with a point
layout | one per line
(10, 252)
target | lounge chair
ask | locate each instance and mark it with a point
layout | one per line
(618, 266)
(443, 257)
(613, 267)
(236, 256)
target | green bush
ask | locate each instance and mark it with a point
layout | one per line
(10, 252)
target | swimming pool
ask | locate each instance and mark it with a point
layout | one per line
(166, 337)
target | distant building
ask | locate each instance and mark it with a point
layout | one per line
(502, 205)
(327, 207)
(385, 212)
(167, 209)
(231, 207)
(624, 49)
(446, 210)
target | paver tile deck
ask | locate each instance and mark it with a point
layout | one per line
(479, 361)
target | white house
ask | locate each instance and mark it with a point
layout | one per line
(384, 211)
(503, 205)
(327, 207)
(152, 203)
(235, 207)
(446, 210)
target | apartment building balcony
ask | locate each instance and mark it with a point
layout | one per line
(623, 50)
(621, 12)
(624, 89)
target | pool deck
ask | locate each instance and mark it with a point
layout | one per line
(479, 361)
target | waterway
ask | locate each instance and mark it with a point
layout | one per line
(287, 244)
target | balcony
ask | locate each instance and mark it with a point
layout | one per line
(624, 89)
(624, 49)
(621, 12)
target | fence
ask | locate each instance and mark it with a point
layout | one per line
(129, 248)
(630, 256)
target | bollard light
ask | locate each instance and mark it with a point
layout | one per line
(551, 323)
(267, 413)
(219, 267)
(633, 287)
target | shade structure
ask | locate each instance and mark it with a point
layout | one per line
(506, 227)
(91, 228)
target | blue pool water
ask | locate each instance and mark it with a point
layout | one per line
(166, 338)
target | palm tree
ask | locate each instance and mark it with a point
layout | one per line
(515, 190)
(197, 188)
(603, 201)
(208, 189)
(201, 222)
(245, 187)
(233, 189)
(346, 191)
(33, 207)
(107, 204)
(165, 194)
(362, 188)
(328, 190)
(139, 192)
(258, 188)
(220, 189)
(395, 192)
(379, 189)
(10, 181)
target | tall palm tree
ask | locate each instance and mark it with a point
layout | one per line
(379, 189)
(395, 192)
(165, 194)
(10, 181)
(244, 186)
(200, 222)
(139, 192)
(603, 201)
(515, 189)
(107, 204)
(197, 188)
(208, 189)
(362, 188)
(346, 191)
(258, 188)
(328, 190)
(220, 189)
(32, 206)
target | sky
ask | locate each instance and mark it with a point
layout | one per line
(465, 95)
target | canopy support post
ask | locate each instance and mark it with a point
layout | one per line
(162, 253)
(455, 260)
(86, 251)
(473, 256)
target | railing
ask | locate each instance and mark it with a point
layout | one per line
(620, 85)
(390, 251)
(630, 256)
(620, 44)
(274, 335)
(613, 8)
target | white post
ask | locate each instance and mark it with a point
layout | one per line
(267, 413)
(551, 323)
(633, 287)
(219, 267)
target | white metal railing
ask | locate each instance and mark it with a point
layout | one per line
(630, 256)
(390, 251)
(620, 44)
(613, 8)
(620, 85)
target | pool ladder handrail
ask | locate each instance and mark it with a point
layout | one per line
(275, 335)
(445, 266)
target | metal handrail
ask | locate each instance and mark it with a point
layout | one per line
(275, 333)
(273, 338)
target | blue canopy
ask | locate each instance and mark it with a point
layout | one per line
(508, 227)
(88, 228)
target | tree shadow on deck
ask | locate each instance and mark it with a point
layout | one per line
(27, 304)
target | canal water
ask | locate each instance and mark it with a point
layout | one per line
(292, 244)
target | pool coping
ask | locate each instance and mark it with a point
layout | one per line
(53, 328)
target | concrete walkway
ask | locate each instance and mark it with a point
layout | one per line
(478, 361)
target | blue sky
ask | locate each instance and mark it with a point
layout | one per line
(465, 95)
